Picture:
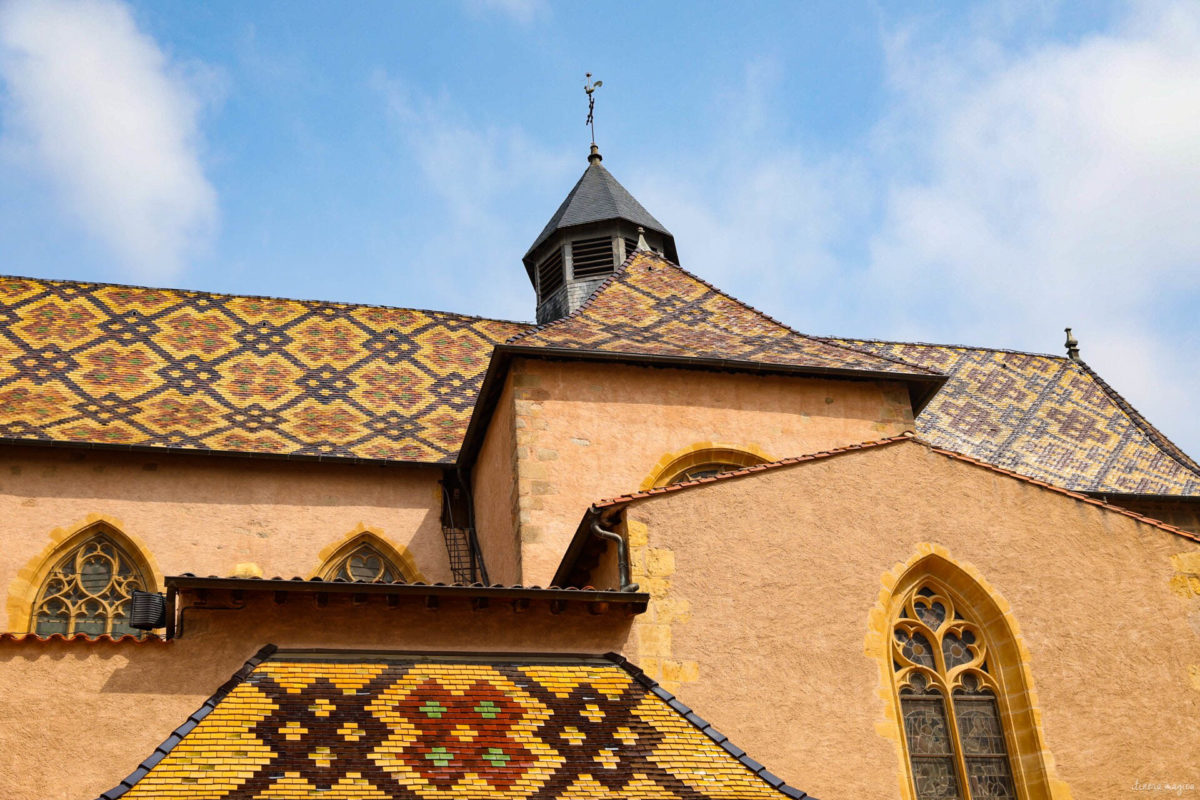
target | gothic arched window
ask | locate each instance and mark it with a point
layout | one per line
(950, 700)
(88, 590)
(363, 563)
(702, 462)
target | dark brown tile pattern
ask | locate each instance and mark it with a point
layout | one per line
(653, 308)
(1046, 417)
(124, 365)
(362, 727)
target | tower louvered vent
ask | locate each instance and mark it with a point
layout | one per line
(591, 258)
(550, 273)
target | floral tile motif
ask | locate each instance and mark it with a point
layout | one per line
(311, 728)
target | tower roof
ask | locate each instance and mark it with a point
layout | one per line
(597, 197)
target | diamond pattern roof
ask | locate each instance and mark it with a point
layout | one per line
(122, 365)
(652, 307)
(1046, 417)
(395, 728)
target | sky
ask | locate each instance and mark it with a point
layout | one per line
(982, 174)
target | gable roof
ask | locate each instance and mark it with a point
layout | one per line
(301, 726)
(167, 368)
(1046, 417)
(597, 196)
(625, 499)
(653, 308)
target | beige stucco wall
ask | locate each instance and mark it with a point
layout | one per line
(207, 515)
(494, 490)
(103, 707)
(586, 431)
(766, 590)
(1180, 513)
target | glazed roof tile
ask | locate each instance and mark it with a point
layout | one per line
(166, 368)
(311, 726)
(1045, 417)
(651, 307)
(103, 638)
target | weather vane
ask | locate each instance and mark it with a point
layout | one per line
(590, 88)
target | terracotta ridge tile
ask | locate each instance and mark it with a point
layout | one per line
(1083, 498)
(625, 499)
(103, 638)
(743, 471)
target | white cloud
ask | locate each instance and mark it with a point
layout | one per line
(1013, 186)
(1058, 185)
(95, 103)
(485, 176)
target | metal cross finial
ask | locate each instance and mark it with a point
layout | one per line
(590, 88)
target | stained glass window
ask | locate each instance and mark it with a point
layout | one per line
(364, 564)
(948, 699)
(88, 591)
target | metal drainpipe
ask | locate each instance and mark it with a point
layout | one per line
(622, 555)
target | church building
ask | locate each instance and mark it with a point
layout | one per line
(655, 545)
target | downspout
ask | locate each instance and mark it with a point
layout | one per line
(622, 554)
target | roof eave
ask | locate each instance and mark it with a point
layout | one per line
(921, 388)
(168, 451)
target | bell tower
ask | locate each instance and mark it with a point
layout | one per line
(594, 230)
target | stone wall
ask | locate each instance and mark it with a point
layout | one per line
(587, 431)
(770, 615)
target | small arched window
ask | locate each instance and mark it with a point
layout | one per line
(701, 462)
(363, 563)
(950, 700)
(88, 590)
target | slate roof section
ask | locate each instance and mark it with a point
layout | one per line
(129, 366)
(597, 196)
(1045, 417)
(294, 725)
(651, 307)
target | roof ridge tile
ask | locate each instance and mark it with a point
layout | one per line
(625, 499)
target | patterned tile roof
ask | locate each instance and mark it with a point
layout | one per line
(651, 307)
(365, 727)
(123, 365)
(1046, 417)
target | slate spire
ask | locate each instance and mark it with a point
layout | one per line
(587, 239)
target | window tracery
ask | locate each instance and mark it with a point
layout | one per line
(364, 563)
(702, 462)
(88, 591)
(949, 701)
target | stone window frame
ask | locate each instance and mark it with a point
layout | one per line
(399, 559)
(1030, 760)
(72, 548)
(674, 467)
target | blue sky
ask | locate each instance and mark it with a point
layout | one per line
(982, 174)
